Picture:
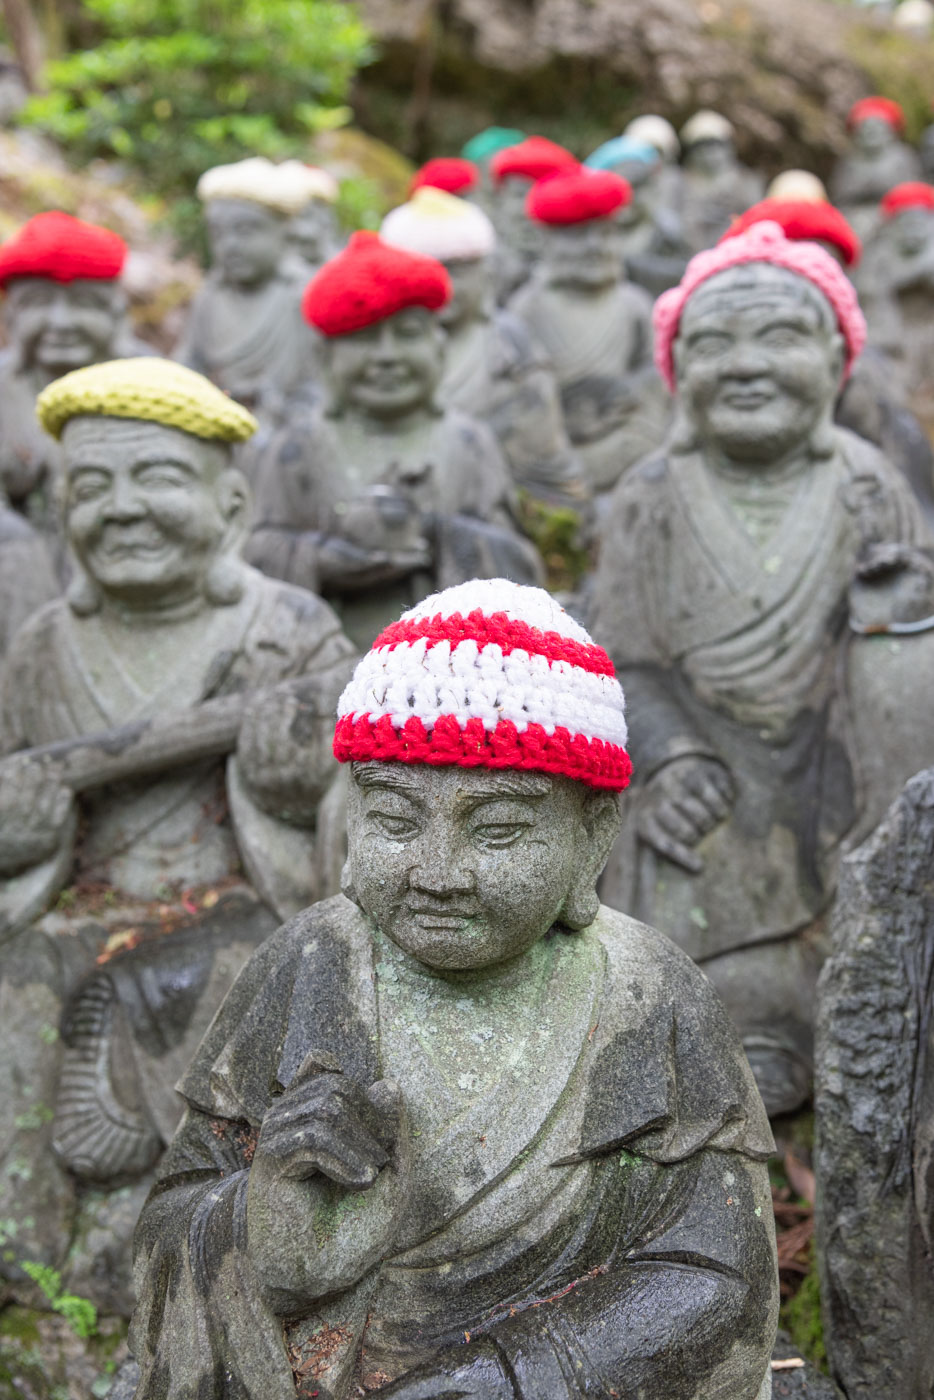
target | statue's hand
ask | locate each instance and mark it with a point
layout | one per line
(345, 566)
(894, 583)
(473, 1372)
(34, 809)
(285, 754)
(683, 802)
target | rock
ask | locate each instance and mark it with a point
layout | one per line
(797, 1383)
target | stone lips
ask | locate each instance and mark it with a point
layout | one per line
(62, 248)
(766, 243)
(804, 220)
(370, 281)
(479, 687)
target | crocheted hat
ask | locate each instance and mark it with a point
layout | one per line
(285, 188)
(450, 173)
(801, 220)
(763, 243)
(488, 674)
(62, 248)
(798, 185)
(370, 281)
(487, 142)
(913, 194)
(158, 391)
(620, 149)
(655, 131)
(532, 159)
(882, 107)
(439, 225)
(706, 125)
(577, 197)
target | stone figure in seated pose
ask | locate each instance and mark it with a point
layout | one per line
(381, 494)
(595, 326)
(716, 186)
(64, 307)
(874, 1096)
(514, 170)
(651, 235)
(877, 161)
(460, 1131)
(244, 329)
(313, 235)
(897, 287)
(162, 754)
(722, 596)
(493, 369)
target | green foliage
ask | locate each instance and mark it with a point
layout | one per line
(173, 87)
(801, 1317)
(80, 1313)
(556, 532)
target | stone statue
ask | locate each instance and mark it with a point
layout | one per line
(313, 236)
(874, 1096)
(667, 184)
(514, 170)
(381, 494)
(897, 284)
(461, 1131)
(245, 330)
(493, 370)
(722, 596)
(655, 253)
(594, 325)
(877, 161)
(926, 152)
(716, 186)
(164, 762)
(64, 308)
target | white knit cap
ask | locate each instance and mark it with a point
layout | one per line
(488, 674)
(706, 126)
(657, 132)
(798, 185)
(287, 188)
(439, 225)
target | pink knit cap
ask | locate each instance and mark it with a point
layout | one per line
(763, 243)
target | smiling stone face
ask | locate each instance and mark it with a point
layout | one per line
(466, 868)
(61, 326)
(147, 507)
(759, 361)
(389, 368)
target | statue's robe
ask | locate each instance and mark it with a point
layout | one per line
(860, 181)
(600, 347)
(451, 473)
(495, 372)
(27, 578)
(597, 1208)
(147, 839)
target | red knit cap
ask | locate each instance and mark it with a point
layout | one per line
(882, 107)
(914, 194)
(450, 173)
(577, 196)
(62, 248)
(533, 158)
(370, 281)
(803, 221)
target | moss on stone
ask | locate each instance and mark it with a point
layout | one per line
(801, 1318)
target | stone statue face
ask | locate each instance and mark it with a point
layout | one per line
(61, 326)
(472, 281)
(588, 256)
(466, 868)
(247, 240)
(710, 157)
(872, 135)
(388, 369)
(148, 509)
(759, 361)
(515, 226)
(311, 232)
(913, 231)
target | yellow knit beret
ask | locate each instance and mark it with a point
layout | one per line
(158, 391)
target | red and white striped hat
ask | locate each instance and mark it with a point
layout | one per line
(488, 674)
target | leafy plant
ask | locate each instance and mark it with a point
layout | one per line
(173, 87)
(80, 1313)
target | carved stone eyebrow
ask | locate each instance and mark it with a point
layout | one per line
(395, 776)
(509, 784)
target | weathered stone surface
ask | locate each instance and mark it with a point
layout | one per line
(801, 1383)
(875, 1110)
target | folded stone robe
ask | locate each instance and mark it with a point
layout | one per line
(594, 1204)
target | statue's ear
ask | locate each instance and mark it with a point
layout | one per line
(600, 823)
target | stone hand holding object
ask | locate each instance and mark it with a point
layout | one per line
(284, 750)
(35, 805)
(894, 584)
(683, 802)
(387, 523)
(326, 1183)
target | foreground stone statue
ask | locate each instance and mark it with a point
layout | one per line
(875, 1110)
(380, 494)
(595, 326)
(514, 170)
(722, 596)
(163, 762)
(244, 329)
(716, 186)
(64, 307)
(877, 161)
(493, 369)
(462, 1131)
